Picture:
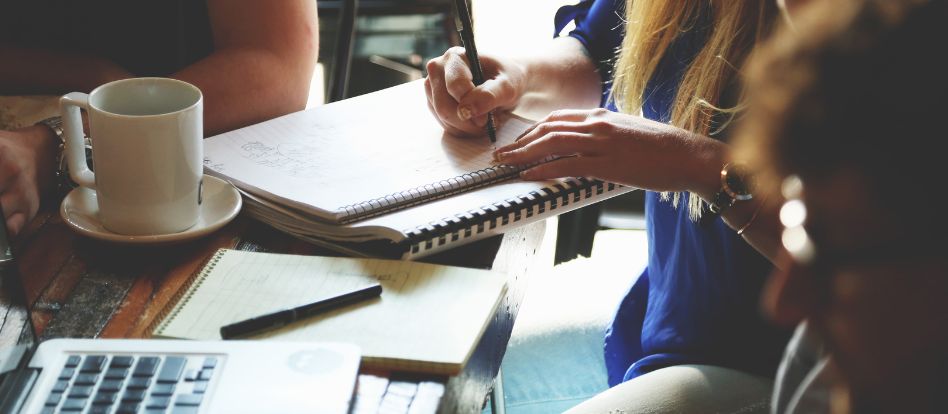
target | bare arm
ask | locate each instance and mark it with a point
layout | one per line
(261, 67)
(641, 153)
(263, 61)
(757, 217)
(33, 72)
(562, 76)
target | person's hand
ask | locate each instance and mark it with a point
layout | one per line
(26, 170)
(462, 108)
(620, 148)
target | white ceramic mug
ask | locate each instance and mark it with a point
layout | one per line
(146, 151)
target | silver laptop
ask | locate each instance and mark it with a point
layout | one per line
(162, 376)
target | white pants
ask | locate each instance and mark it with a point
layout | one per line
(684, 389)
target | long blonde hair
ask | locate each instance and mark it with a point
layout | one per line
(709, 86)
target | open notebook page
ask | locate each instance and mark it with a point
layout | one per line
(329, 157)
(429, 317)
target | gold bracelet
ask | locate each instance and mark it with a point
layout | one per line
(753, 218)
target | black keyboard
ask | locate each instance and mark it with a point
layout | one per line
(120, 384)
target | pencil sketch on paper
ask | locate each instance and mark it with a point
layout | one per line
(294, 159)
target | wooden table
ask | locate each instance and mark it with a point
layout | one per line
(82, 288)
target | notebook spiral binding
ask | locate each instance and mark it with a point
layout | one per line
(489, 217)
(428, 192)
(170, 311)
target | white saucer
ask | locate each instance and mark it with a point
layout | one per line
(80, 210)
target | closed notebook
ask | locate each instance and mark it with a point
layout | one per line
(377, 175)
(428, 319)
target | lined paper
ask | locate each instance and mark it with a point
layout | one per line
(429, 317)
(242, 285)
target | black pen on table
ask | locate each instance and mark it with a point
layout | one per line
(466, 31)
(280, 318)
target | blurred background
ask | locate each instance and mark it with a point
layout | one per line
(393, 39)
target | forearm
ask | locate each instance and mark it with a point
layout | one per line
(262, 65)
(42, 145)
(246, 86)
(27, 158)
(757, 218)
(761, 224)
(562, 75)
(33, 71)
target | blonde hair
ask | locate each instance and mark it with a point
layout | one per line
(709, 86)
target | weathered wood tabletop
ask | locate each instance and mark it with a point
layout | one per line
(83, 288)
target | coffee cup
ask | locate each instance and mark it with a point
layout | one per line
(147, 153)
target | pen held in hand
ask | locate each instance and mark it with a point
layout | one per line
(466, 30)
(283, 317)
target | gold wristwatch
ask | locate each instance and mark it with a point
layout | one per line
(735, 186)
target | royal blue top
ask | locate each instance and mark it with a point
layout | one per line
(697, 300)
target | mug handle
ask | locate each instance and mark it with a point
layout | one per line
(75, 149)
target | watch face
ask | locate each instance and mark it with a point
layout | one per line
(736, 182)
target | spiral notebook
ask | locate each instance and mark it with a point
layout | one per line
(428, 319)
(379, 169)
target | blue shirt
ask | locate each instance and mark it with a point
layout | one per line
(697, 302)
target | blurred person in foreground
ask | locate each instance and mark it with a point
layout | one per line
(844, 123)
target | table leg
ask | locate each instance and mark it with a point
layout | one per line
(497, 394)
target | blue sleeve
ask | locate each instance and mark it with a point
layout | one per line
(599, 27)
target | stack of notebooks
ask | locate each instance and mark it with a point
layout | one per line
(377, 175)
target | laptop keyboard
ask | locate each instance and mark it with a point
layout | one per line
(119, 384)
(379, 395)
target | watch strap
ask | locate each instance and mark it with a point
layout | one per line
(720, 202)
(55, 123)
